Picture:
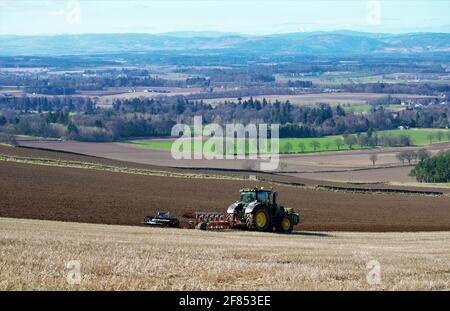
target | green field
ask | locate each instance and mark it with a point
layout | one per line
(327, 143)
(153, 144)
(420, 136)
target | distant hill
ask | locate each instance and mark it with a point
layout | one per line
(348, 42)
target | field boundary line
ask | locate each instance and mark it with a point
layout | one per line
(109, 168)
(379, 190)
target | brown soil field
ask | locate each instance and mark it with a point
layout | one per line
(329, 166)
(307, 179)
(95, 196)
(384, 175)
(129, 153)
(355, 159)
(34, 255)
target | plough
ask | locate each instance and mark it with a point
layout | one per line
(212, 221)
(257, 209)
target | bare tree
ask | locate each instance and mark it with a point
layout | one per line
(287, 147)
(302, 146)
(339, 142)
(350, 140)
(400, 156)
(282, 166)
(315, 144)
(373, 158)
(422, 154)
(407, 156)
(414, 156)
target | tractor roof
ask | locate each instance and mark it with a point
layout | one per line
(255, 189)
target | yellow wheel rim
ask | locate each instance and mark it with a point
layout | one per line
(261, 219)
(286, 224)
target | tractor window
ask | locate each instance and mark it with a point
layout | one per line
(263, 196)
(247, 197)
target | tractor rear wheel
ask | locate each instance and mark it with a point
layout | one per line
(285, 224)
(259, 219)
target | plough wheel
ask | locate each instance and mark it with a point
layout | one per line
(202, 225)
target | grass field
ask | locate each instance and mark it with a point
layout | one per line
(323, 141)
(327, 143)
(363, 108)
(153, 144)
(420, 136)
(35, 254)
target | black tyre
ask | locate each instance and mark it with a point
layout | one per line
(285, 224)
(202, 225)
(259, 219)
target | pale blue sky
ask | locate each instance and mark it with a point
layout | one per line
(243, 16)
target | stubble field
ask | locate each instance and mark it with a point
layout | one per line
(34, 255)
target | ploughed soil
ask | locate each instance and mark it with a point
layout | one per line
(342, 166)
(234, 171)
(93, 196)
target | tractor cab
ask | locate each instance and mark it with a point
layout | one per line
(260, 195)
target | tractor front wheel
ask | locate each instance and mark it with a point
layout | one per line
(259, 219)
(285, 224)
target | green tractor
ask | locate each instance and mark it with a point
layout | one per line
(257, 209)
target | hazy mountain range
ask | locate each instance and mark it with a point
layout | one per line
(348, 42)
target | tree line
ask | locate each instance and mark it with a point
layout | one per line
(138, 117)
